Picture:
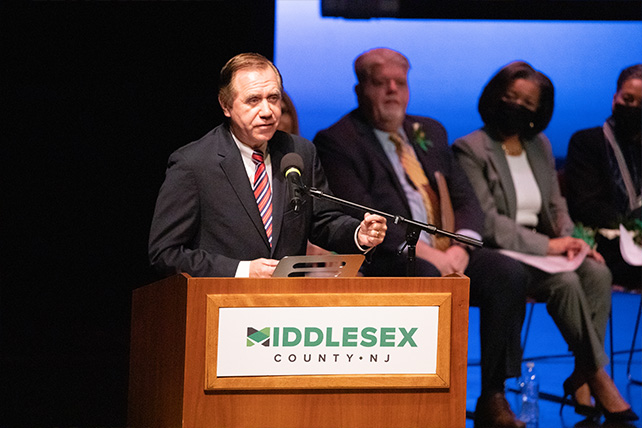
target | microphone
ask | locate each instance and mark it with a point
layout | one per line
(291, 166)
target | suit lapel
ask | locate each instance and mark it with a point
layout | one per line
(430, 167)
(538, 163)
(497, 158)
(369, 140)
(234, 169)
(279, 189)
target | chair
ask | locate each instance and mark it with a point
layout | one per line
(631, 350)
(529, 316)
(616, 289)
(635, 332)
(530, 301)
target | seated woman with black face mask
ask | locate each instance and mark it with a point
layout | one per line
(603, 175)
(510, 165)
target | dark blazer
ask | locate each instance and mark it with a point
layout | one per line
(359, 170)
(593, 196)
(484, 161)
(207, 220)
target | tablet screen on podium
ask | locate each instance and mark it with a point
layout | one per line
(322, 266)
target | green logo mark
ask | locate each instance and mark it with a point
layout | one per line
(255, 337)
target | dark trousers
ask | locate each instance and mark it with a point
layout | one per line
(497, 287)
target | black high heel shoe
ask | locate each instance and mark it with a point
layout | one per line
(622, 416)
(570, 387)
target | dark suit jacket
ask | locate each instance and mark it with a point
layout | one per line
(359, 170)
(593, 197)
(207, 220)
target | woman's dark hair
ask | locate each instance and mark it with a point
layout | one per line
(491, 97)
(288, 108)
(632, 72)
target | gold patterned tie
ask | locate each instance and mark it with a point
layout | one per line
(417, 176)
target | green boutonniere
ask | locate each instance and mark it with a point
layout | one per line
(419, 136)
(584, 233)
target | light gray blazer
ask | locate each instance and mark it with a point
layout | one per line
(484, 161)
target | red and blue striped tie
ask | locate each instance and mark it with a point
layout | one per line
(262, 193)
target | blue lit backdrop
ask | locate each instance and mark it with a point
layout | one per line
(451, 62)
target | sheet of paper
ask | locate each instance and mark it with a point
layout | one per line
(550, 264)
(631, 253)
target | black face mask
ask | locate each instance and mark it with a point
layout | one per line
(514, 119)
(628, 121)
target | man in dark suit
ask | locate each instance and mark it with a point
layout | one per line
(224, 208)
(365, 156)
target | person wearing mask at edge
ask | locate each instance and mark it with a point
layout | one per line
(511, 167)
(207, 220)
(603, 174)
(364, 164)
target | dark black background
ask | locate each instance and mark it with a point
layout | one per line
(95, 96)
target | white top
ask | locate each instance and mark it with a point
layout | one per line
(529, 198)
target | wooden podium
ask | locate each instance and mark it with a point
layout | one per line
(170, 384)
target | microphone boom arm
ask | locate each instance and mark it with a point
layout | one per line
(397, 219)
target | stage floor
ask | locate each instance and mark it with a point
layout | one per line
(544, 340)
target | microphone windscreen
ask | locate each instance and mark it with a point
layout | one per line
(291, 160)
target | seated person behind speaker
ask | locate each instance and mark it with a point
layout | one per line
(603, 174)
(207, 220)
(364, 165)
(511, 167)
(289, 121)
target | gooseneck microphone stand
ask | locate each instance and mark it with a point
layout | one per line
(413, 228)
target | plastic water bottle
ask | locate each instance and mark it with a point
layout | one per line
(529, 410)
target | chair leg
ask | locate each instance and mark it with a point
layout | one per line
(611, 342)
(529, 317)
(635, 332)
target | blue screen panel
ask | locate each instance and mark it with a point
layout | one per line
(451, 62)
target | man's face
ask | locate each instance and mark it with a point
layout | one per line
(256, 109)
(383, 98)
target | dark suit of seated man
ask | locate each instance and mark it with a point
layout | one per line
(367, 165)
(224, 208)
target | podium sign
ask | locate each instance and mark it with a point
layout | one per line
(269, 341)
(341, 352)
